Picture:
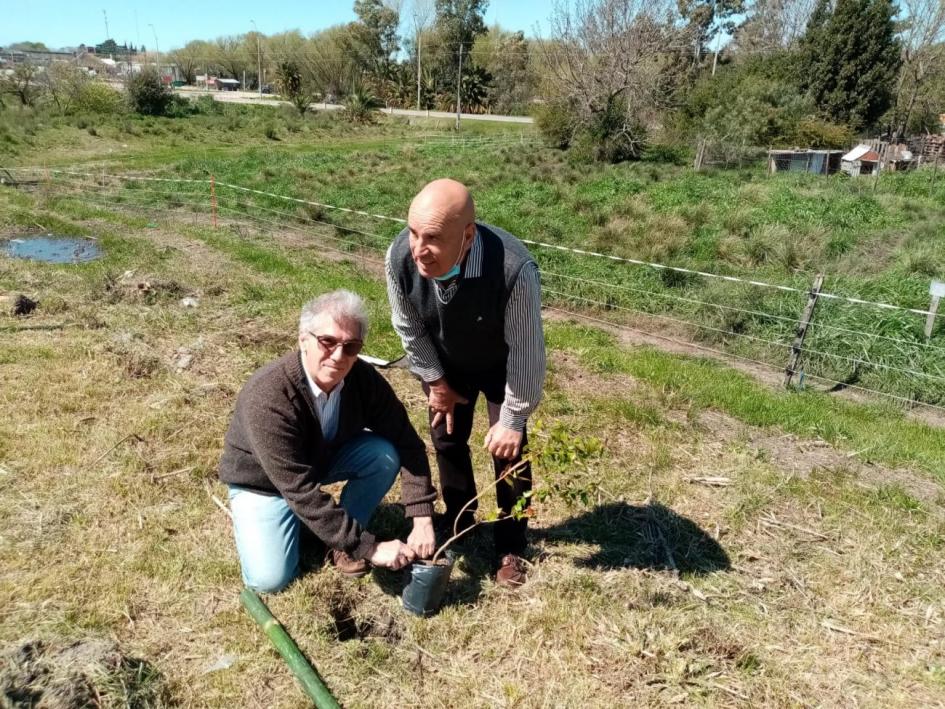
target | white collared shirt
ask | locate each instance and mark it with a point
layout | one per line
(327, 405)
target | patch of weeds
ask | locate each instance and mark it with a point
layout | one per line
(633, 411)
(895, 497)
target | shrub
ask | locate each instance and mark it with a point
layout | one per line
(147, 95)
(819, 133)
(556, 121)
(270, 132)
(207, 105)
(294, 86)
(360, 105)
(179, 107)
(99, 98)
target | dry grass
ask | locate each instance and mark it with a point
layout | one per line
(716, 567)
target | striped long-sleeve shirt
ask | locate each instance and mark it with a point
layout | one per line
(525, 368)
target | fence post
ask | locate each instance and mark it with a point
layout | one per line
(936, 290)
(700, 156)
(801, 333)
(213, 200)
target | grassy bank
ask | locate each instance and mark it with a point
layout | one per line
(880, 241)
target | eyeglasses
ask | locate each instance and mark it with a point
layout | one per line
(350, 348)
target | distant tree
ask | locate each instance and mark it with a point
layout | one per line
(374, 38)
(109, 46)
(771, 25)
(458, 23)
(23, 83)
(64, 84)
(29, 47)
(421, 16)
(147, 94)
(708, 18)
(615, 64)
(189, 58)
(329, 63)
(507, 57)
(922, 36)
(849, 60)
(230, 56)
(294, 86)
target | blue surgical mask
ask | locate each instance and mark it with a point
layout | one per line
(454, 271)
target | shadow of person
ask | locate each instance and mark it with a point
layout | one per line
(648, 536)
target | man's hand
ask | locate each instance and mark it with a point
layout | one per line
(442, 399)
(391, 555)
(503, 443)
(421, 539)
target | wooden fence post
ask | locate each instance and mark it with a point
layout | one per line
(700, 155)
(801, 333)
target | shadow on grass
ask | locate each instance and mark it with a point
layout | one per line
(642, 537)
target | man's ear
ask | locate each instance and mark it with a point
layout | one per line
(469, 232)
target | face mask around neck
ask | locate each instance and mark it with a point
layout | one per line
(454, 271)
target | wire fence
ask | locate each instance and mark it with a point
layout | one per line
(874, 346)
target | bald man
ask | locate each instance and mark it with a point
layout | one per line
(465, 300)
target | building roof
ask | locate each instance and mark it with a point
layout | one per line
(804, 151)
(862, 152)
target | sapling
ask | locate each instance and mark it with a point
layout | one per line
(561, 458)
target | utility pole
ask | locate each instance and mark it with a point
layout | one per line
(419, 42)
(459, 83)
(105, 15)
(258, 59)
(157, 47)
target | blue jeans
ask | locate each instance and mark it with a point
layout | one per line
(267, 531)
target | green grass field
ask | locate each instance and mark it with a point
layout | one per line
(742, 545)
(881, 241)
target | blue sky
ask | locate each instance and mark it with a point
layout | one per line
(64, 23)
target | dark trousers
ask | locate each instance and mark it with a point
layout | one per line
(457, 482)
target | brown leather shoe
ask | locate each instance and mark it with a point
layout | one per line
(346, 565)
(511, 573)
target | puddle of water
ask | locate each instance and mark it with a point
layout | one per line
(51, 249)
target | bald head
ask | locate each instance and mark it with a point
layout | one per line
(442, 225)
(443, 201)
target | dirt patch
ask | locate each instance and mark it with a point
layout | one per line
(76, 674)
(134, 287)
(353, 617)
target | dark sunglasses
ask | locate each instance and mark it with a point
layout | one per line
(350, 348)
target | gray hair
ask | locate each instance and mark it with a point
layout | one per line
(342, 305)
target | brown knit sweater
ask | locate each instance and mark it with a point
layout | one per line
(275, 446)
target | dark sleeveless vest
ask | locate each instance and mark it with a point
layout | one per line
(468, 331)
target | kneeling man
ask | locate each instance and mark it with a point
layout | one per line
(315, 416)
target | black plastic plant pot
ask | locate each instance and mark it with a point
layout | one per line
(424, 594)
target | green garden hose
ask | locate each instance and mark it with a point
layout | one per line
(307, 676)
